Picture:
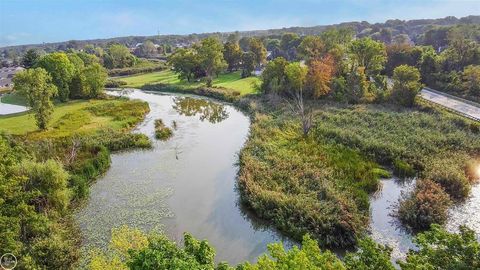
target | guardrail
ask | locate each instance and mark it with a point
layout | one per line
(450, 109)
(452, 97)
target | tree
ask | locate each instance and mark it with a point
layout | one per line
(309, 256)
(439, 249)
(334, 37)
(311, 48)
(35, 84)
(232, 55)
(289, 43)
(273, 77)
(406, 85)
(95, 78)
(161, 253)
(248, 64)
(146, 49)
(296, 75)
(244, 43)
(471, 80)
(30, 58)
(257, 48)
(369, 255)
(367, 53)
(76, 85)
(50, 180)
(319, 77)
(428, 65)
(118, 56)
(184, 62)
(210, 54)
(61, 70)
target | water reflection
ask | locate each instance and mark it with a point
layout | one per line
(185, 184)
(207, 110)
(384, 227)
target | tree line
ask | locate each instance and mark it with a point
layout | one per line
(58, 76)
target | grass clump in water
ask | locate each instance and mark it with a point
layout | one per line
(162, 132)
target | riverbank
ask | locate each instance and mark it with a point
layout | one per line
(65, 160)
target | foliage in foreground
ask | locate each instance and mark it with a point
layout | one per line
(43, 178)
(438, 249)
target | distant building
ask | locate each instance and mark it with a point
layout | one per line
(6, 75)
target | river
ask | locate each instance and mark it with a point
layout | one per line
(187, 184)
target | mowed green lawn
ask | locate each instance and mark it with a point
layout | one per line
(228, 80)
(80, 116)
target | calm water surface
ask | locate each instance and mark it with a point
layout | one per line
(186, 184)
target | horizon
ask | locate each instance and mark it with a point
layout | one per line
(24, 22)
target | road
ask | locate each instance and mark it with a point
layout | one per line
(467, 109)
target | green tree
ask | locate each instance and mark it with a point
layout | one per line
(232, 55)
(428, 65)
(76, 85)
(311, 48)
(273, 77)
(161, 253)
(296, 75)
(258, 49)
(367, 53)
(95, 78)
(210, 53)
(118, 56)
(30, 58)
(248, 64)
(35, 84)
(308, 257)
(289, 43)
(471, 80)
(439, 249)
(369, 255)
(61, 70)
(406, 85)
(184, 63)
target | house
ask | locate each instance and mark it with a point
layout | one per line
(6, 75)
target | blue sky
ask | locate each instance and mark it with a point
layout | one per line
(37, 21)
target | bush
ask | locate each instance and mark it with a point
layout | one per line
(449, 173)
(406, 85)
(162, 132)
(403, 169)
(115, 83)
(425, 205)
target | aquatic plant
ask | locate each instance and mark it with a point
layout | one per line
(162, 132)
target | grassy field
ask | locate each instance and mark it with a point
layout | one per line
(78, 117)
(230, 80)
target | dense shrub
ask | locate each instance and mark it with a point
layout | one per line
(449, 173)
(137, 69)
(115, 83)
(439, 249)
(213, 92)
(425, 205)
(304, 185)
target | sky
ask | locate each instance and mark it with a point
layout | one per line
(37, 21)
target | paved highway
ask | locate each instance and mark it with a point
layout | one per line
(456, 104)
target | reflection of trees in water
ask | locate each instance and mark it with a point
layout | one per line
(211, 111)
